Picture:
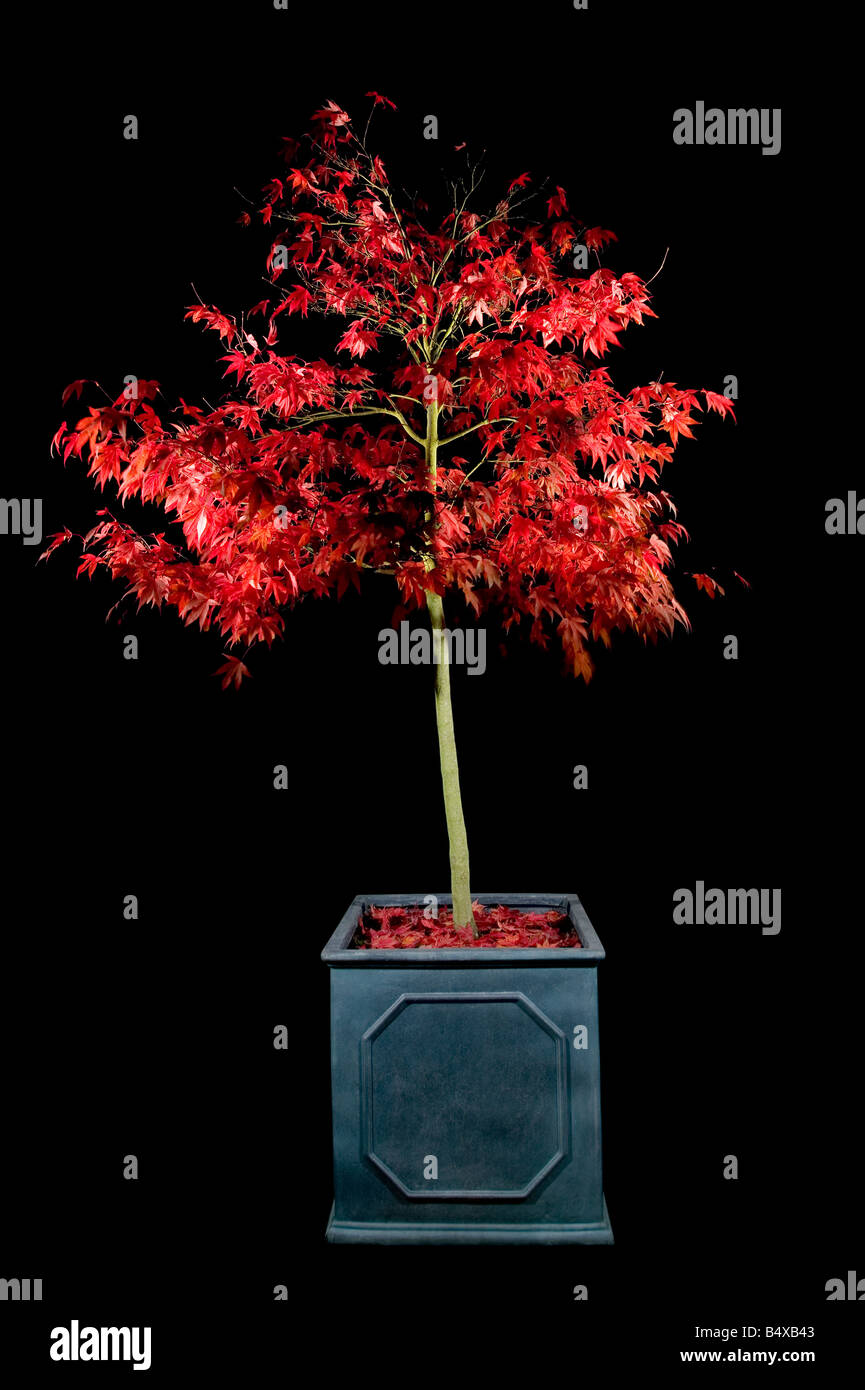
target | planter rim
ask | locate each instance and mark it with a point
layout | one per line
(338, 953)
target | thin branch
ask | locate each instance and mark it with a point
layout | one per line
(376, 569)
(660, 267)
(348, 416)
(449, 438)
(418, 438)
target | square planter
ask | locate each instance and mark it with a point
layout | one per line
(466, 1088)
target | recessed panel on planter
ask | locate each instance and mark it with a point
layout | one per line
(464, 1096)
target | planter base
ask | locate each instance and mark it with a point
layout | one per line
(390, 1233)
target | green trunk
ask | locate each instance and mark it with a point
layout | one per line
(459, 849)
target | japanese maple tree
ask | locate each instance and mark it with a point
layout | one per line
(472, 334)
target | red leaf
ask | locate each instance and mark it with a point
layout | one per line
(298, 301)
(199, 313)
(74, 387)
(558, 204)
(707, 584)
(382, 101)
(722, 404)
(233, 671)
(236, 363)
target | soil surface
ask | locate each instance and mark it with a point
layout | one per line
(389, 928)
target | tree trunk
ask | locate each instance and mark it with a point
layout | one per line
(457, 840)
(459, 849)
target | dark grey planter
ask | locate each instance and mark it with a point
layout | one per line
(468, 1058)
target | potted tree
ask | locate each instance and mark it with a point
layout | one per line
(489, 458)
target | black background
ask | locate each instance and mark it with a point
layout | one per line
(155, 1037)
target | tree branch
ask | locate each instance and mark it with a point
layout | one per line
(348, 416)
(449, 438)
